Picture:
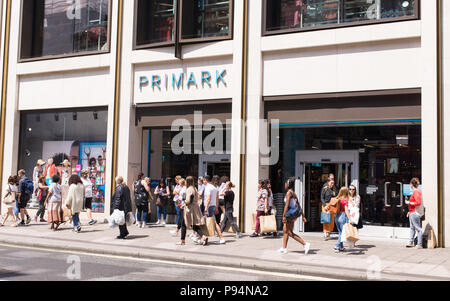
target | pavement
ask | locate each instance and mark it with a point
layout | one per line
(369, 260)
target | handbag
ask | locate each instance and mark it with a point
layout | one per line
(294, 212)
(208, 226)
(334, 205)
(268, 224)
(351, 233)
(10, 198)
(325, 218)
(253, 221)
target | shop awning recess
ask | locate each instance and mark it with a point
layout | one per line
(345, 109)
(164, 114)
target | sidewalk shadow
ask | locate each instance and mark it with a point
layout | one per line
(311, 252)
(359, 250)
(133, 237)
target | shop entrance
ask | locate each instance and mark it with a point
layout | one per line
(312, 171)
(214, 165)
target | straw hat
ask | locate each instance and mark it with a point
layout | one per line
(40, 162)
(66, 162)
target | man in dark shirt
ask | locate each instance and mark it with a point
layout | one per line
(24, 197)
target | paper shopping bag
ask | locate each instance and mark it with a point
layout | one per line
(253, 221)
(209, 226)
(351, 233)
(229, 228)
(432, 241)
(268, 224)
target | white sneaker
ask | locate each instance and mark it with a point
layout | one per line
(197, 241)
(282, 251)
(192, 235)
(138, 224)
(221, 242)
(158, 222)
(307, 246)
(143, 225)
(174, 233)
(163, 222)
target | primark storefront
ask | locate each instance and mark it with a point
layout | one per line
(373, 142)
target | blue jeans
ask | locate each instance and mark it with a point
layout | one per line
(340, 220)
(142, 213)
(162, 210)
(212, 211)
(76, 220)
(415, 226)
(178, 214)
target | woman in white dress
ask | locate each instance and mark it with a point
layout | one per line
(354, 204)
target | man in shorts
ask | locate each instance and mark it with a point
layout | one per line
(24, 197)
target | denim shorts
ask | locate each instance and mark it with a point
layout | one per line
(212, 211)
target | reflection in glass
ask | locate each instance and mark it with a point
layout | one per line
(205, 18)
(289, 14)
(155, 21)
(58, 27)
(71, 144)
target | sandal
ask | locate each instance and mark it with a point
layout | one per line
(205, 241)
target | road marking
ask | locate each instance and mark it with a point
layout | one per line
(257, 272)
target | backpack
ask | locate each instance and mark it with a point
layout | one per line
(29, 186)
(140, 194)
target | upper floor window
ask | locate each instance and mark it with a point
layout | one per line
(64, 27)
(166, 22)
(296, 15)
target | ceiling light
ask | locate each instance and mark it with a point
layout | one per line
(405, 4)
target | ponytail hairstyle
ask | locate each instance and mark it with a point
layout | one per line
(231, 185)
(291, 183)
(415, 182)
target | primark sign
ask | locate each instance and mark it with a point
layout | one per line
(184, 80)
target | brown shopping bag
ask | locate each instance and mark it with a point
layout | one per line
(209, 226)
(228, 228)
(253, 221)
(432, 241)
(268, 224)
(351, 233)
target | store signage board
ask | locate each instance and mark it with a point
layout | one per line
(371, 190)
(196, 81)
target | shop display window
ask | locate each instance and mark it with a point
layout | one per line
(199, 20)
(205, 19)
(62, 28)
(69, 142)
(295, 15)
(389, 157)
(155, 22)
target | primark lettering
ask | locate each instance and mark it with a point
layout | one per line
(184, 80)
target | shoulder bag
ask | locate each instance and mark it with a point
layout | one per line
(334, 205)
(10, 198)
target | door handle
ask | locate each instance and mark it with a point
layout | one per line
(401, 195)
(386, 194)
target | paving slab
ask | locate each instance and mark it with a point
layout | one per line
(371, 259)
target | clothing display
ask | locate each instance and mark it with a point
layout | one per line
(292, 13)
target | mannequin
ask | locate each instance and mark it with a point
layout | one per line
(66, 172)
(50, 169)
(37, 173)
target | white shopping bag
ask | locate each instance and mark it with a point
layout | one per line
(130, 219)
(354, 215)
(117, 218)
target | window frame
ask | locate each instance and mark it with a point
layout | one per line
(61, 56)
(178, 26)
(266, 33)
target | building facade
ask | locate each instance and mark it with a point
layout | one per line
(353, 88)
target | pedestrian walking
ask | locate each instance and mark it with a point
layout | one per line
(54, 203)
(201, 194)
(38, 171)
(75, 200)
(88, 185)
(16, 210)
(180, 204)
(328, 192)
(162, 193)
(211, 198)
(42, 195)
(26, 189)
(292, 211)
(262, 205)
(142, 196)
(229, 208)
(342, 217)
(415, 214)
(121, 200)
(176, 196)
(270, 200)
(10, 200)
(354, 205)
(223, 182)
